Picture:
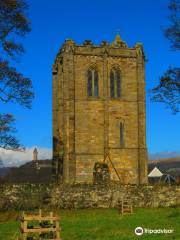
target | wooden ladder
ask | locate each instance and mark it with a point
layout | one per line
(125, 206)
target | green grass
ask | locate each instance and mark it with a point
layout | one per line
(105, 224)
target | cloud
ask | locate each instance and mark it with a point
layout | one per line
(13, 158)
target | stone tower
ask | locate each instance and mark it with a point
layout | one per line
(99, 108)
(35, 154)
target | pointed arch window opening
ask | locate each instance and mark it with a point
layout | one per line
(115, 83)
(93, 83)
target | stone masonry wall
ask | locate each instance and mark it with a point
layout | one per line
(31, 196)
(86, 128)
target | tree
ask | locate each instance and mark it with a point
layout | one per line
(14, 87)
(168, 89)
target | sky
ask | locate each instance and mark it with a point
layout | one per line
(54, 21)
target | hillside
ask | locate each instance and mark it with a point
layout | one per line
(4, 171)
(166, 165)
(165, 160)
(33, 171)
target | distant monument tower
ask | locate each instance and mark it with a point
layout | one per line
(35, 154)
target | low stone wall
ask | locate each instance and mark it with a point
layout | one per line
(30, 196)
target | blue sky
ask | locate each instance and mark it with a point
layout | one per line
(54, 21)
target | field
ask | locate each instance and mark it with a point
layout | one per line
(104, 224)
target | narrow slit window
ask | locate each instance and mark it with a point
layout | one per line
(121, 134)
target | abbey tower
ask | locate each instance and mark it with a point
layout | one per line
(99, 110)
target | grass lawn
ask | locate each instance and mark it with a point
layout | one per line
(105, 224)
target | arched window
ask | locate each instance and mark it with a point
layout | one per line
(121, 134)
(92, 83)
(115, 83)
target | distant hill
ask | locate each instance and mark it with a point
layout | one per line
(4, 171)
(172, 159)
(41, 163)
(163, 155)
(166, 165)
(32, 172)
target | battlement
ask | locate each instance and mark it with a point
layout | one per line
(116, 48)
